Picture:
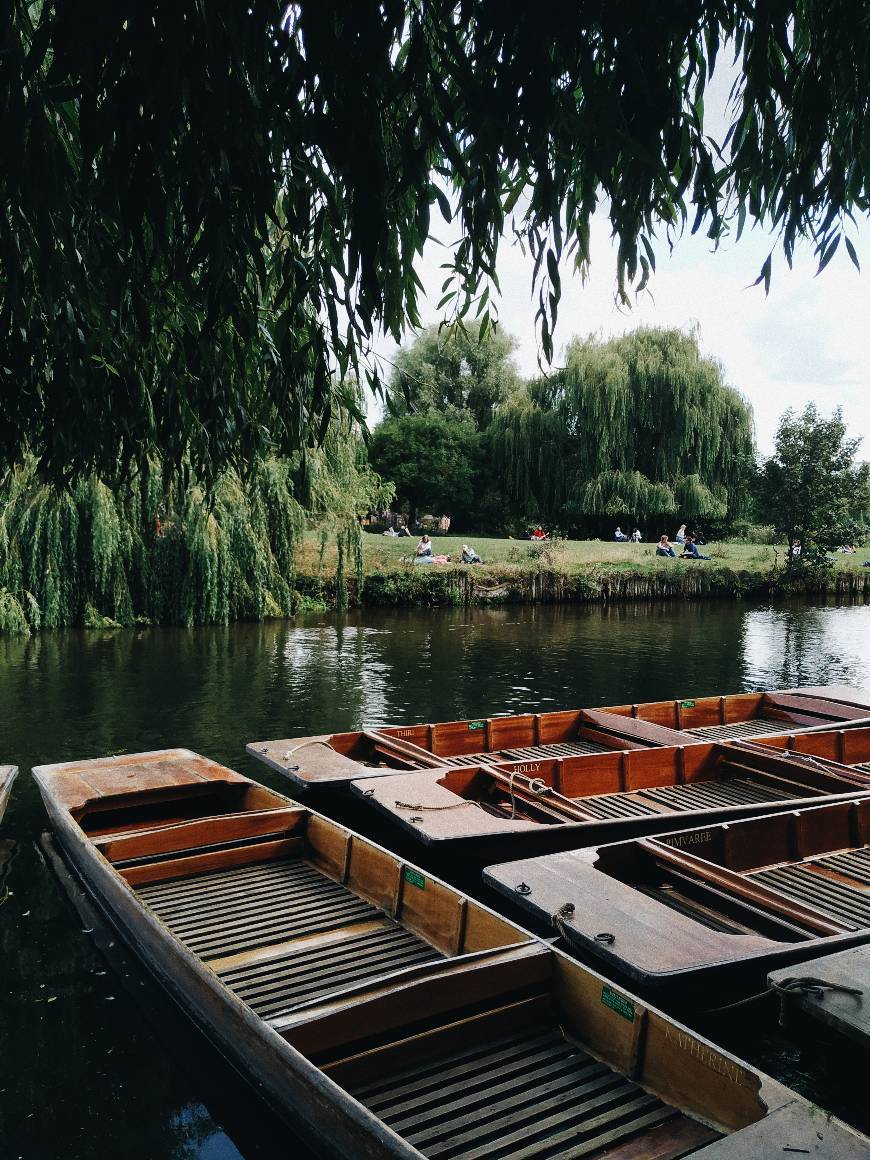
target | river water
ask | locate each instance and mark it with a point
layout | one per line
(90, 1064)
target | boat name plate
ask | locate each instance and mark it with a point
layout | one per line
(618, 1003)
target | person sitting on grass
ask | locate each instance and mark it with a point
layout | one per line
(635, 536)
(690, 550)
(663, 548)
(424, 548)
(620, 536)
(539, 533)
(469, 556)
(680, 537)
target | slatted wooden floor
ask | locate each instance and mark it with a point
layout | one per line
(245, 923)
(528, 1095)
(294, 977)
(755, 727)
(848, 903)
(525, 753)
(697, 795)
(229, 911)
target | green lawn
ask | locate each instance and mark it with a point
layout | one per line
(383, 553)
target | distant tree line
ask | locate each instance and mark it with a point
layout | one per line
(638, 430)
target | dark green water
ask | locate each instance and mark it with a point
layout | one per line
(86, 1071)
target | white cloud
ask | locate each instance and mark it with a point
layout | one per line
(807, 341)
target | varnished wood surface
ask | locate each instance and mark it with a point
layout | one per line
(508, 808)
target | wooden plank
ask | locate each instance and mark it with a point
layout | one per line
(634, 729)
(217, 860)
(816, 707)
(201, 832)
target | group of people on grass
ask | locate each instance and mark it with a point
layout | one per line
(685, 540)
(425, 554)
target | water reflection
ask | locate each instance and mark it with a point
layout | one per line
(82, 1071)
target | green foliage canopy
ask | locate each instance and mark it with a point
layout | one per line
(206, 210)
(640, 425)
(431, 460)
(811, 489)
(454, 368)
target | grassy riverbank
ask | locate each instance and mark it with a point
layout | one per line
(566, 570)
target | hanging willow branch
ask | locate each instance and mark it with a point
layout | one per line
(158, 549)
(640, 425)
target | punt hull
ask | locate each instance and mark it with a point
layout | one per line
(330, 1122)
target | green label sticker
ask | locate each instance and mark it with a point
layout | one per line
(688, 704)
(472, 725)
(618, 1003)
(415, 878)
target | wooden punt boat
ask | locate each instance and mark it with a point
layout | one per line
(833, 991)
(385, 1014)
(724, 903)
(7, 776)
(522, 809)
(330, 761)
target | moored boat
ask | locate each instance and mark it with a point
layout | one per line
(521, 809)
(832, 991)
(330, 761)
(7, 776)
(385, 1014)
(719, 904)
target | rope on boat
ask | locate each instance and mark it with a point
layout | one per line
(565, 911)
(301, 745)
(807, 985)
(799, 985)
(420, 806)
(536, 785)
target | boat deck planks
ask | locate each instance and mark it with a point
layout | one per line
(523, 1096)
(238, 909)
(758, 727)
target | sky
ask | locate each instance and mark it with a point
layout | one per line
(808, 340)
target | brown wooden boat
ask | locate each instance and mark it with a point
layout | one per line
(328, 761)
(7, 776)
(521, 809)
(384, 1013)
(833, 991)
(730, 901)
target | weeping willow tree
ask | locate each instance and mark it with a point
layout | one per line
(160, 549)
(637, 427)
